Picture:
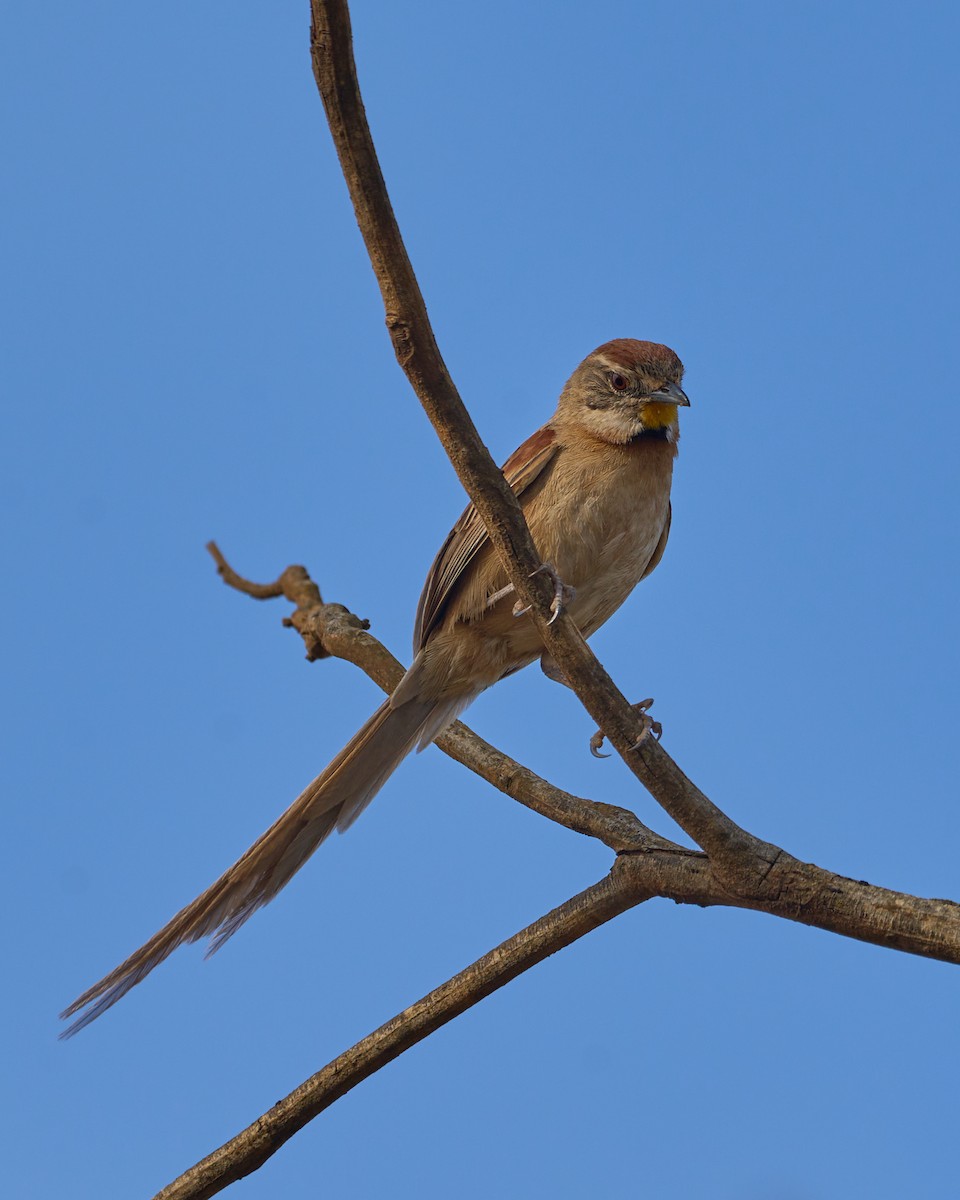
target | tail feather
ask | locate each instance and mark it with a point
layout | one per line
(436, 721)
(333, 800)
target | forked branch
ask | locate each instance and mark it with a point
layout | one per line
(793, 889)
(798, 891)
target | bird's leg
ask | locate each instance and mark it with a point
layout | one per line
(552, 671)
(562, 593)
(504, 591)
(649, 726)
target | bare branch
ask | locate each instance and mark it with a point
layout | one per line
(792, 889)
(799, 891)
(331, 629)
(259, 591)
(251, 1148)
(294, 584)
(736, 852)
(809, 895)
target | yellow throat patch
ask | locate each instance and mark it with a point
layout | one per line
(658, 416)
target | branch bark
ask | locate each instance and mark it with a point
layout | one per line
(255, 1144)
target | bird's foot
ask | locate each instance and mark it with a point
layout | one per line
(650, 726)
(562, 593)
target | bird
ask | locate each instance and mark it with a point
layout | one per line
(594, 485)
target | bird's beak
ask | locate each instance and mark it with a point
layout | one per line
(671, 393)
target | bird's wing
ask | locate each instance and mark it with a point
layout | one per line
(661, 545)
(469, 535)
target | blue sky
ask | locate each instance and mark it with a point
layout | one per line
(196, 350)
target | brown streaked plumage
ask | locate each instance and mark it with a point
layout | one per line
(594, 485)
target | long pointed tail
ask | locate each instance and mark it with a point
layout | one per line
(333, 800)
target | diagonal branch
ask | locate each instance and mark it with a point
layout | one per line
(739, 854)
(922, 926)
(255, 1144)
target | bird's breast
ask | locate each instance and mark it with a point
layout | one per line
(599, 521)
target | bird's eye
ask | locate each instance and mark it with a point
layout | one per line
(618, 383)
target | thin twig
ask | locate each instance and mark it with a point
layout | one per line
(331, 629)
(259, 591)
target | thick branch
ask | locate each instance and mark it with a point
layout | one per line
(810, 895)
(251, 1148)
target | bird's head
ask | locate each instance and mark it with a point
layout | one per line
(624, 391)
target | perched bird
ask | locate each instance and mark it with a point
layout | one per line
(594, 485)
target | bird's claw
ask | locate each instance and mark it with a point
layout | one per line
(595, 743)
(650, 726)
(562, 593)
